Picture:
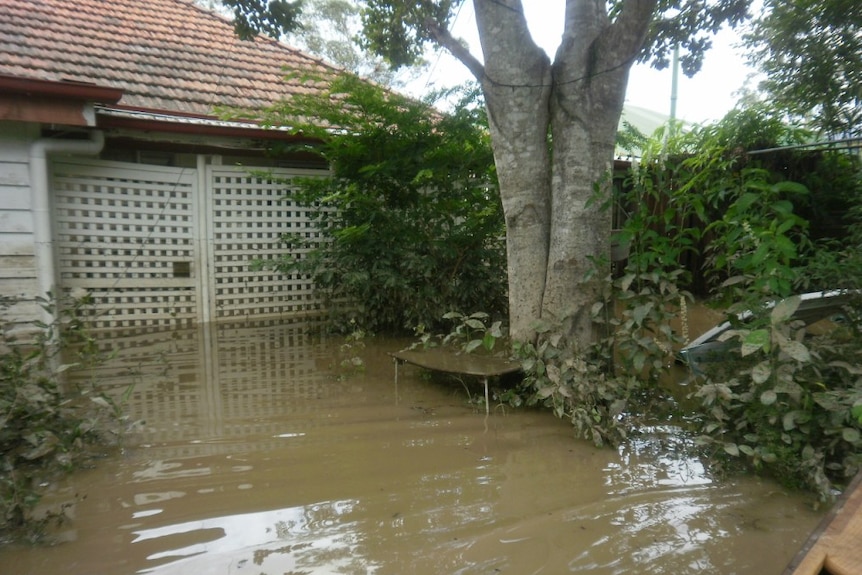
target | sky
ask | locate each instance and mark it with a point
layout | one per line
(705, 98)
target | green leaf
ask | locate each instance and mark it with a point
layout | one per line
(472, 345)
(784, 309)
(732, 449)
(789, 420)
(641, 311)
(755, 341)
(746, 200)
(760, 373)
(850, 435)
(797, 350)
(100, 401)
(488, 341)
(626, 282)
(768, 397)
(852, 369)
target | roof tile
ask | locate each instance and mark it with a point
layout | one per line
(165, 54)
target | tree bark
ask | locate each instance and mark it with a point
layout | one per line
(517, 84)
(553, 131)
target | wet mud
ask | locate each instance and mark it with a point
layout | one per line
(259, 453)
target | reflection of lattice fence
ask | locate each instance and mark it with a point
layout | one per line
(195, 389)
(271, 371)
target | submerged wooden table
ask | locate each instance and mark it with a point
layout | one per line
(835, 547)
(459, 363)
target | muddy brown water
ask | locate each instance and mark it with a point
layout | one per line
(256, 458)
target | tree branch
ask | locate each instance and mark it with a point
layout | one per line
(446, 40)
(628, 32)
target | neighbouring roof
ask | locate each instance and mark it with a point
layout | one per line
(165, 55)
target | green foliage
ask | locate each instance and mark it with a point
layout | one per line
(471, 332)
(328, 31)
(758, 239)
(272, 17)
(411, 216)
(836, 263)
(790, 402)
(782, 400)
(687, 25)
(657, 229)
(811, 55)
(574, 385)
(45, 429)
(744, 204)
(398, 31)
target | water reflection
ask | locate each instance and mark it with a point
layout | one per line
(255, 458)
(276, 541)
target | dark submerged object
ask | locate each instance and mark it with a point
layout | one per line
(449, 361)
(813, 307)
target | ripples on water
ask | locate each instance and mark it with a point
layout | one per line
(255, 458)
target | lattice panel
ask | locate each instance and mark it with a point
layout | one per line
(126, 233)
(249, 215)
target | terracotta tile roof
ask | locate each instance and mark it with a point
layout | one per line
(164, 54)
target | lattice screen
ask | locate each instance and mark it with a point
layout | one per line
(249, 215)
(153, 250)
(125, 233)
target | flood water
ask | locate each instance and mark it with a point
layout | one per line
(255, 457)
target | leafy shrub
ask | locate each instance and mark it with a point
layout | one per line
(412, 220)
(789, 404)
(784, 402)
(45, 429)
(575, 386)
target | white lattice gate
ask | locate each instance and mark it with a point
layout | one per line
(248, 215)
(163, 247)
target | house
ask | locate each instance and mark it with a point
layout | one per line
(118, 177)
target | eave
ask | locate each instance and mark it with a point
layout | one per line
(52, 102)
(169, 122)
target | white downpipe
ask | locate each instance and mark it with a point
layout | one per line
(40, 150)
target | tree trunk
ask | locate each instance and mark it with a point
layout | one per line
(553, 131)
(517, 86)
(585, 109)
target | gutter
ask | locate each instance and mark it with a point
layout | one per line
(40, 150)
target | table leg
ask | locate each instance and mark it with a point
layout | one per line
(487, 404)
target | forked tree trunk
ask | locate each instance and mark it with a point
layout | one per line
(553, 130)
